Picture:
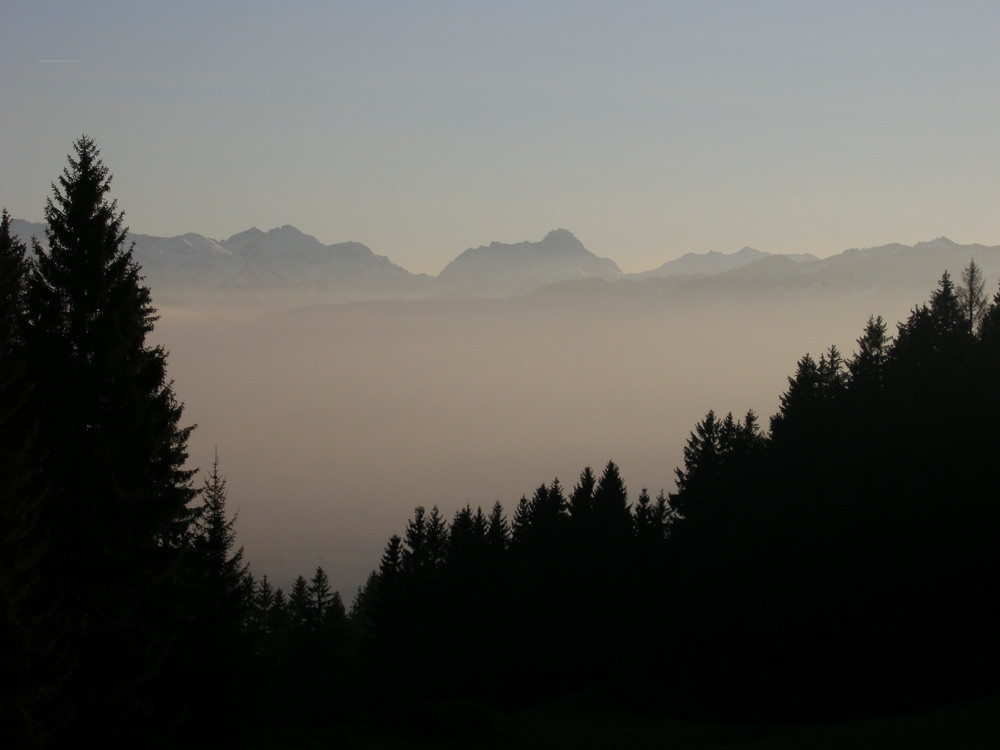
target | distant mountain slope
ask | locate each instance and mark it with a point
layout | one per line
(501, 269)
(902, 266)
(894, 271)
(300, 260)
(711, 263)
(282, 259)
(869, 271)
(27, 229)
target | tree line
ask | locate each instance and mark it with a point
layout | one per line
(853, 542)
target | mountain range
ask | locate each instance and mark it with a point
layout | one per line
(286, 260)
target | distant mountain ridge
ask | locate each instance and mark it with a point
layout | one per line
(507, 269)
(286, 260)
(711, 263)
(281, 259)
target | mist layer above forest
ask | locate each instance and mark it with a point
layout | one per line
(333, 422)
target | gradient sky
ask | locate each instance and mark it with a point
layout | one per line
(649, 129)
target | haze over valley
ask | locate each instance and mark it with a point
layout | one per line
(342, 391)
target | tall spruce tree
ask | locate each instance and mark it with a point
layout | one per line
(28, 630)
(320, 594)
(867, 366)
(377, 613)
(109, 424)
(611, 508)
(301, 607)
(227, 577)
(581, 500)
(217, 642)
(971, 296)
(988, 357)
(497, 530)
(702, 463)
(20, 545)
(932, 348)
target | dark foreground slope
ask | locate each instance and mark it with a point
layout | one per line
(587, 722)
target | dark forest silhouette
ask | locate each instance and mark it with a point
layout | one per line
(842, 561)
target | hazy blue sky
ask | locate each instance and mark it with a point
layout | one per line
(649, 129)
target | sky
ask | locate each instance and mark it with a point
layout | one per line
(648, 129)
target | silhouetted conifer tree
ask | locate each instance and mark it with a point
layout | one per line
(971, 296)
(415, 555)
(437, 539)
(867, 366)
(279, 622)
(498, 530)
(302, 615)
(374, 608)
(32, 657)
(661, 515)
(466, 543)
(391, 565)
(702, 462)
(520, 527)
(928, 371)
(645, 528)
(808, 413)
(610, 570)
(109, 423)
(990, 328)
(866, 410)
(806, 430)
(988, 358)
(218, 643)
(320, 595)
(547, 515)
(260, 610)
(480, 524)
(317, 660)
(611, 509)
(581, 500)
(419, 604)
(226, 582)
(467, 599)
(378, 616)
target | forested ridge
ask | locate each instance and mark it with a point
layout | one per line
(841, 560)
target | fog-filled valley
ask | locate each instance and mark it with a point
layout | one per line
(342, 392)
(334, 421)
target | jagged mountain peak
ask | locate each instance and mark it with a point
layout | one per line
(941, 243)
(502, 269)
(557, 240)
(561, 235)
(284, 241)
(252, 232)
(287, 230)
(562, 241)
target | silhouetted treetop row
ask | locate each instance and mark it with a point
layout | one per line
(855, 537)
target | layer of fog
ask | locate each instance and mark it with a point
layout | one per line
(334, 422)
